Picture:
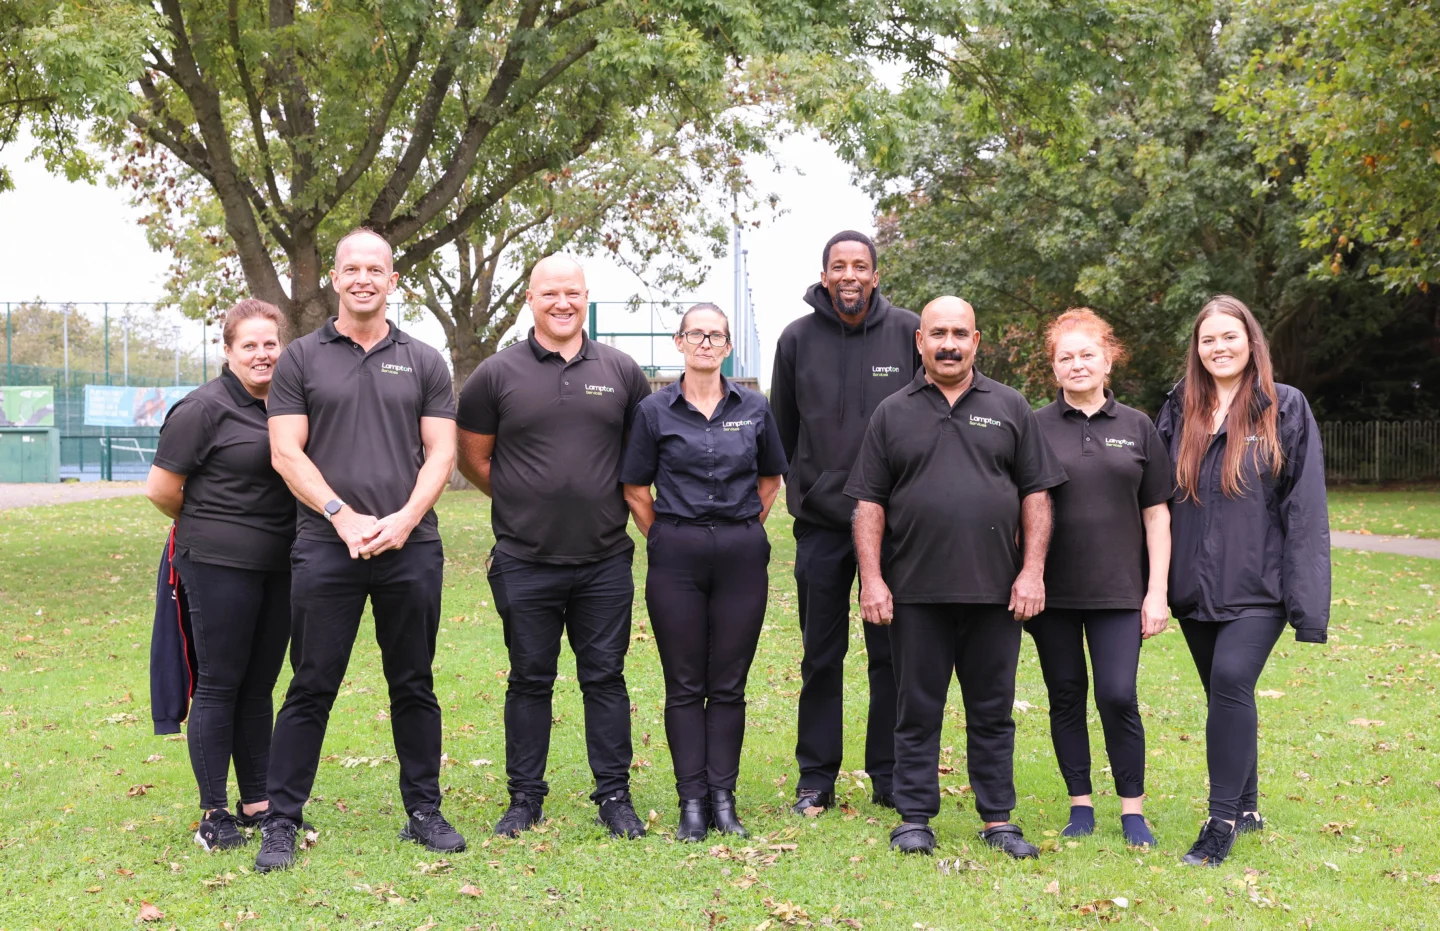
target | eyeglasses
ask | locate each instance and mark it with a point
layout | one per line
(696, 337)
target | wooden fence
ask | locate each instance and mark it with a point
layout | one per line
(1379, 451)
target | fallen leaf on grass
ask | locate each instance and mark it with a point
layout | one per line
(1053, 888)
(136, 791)
(310, 839)
(814, 811)
(439, 866)
(429, 923)
(149, 912)
(1331, 865)
(471, 891)
(1270, 693)
(1366, 722)
(154, 758)
(94, 889)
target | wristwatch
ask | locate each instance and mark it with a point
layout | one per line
(332, 507)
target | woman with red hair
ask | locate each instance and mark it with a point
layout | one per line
(1105, 580)
(1251, 543)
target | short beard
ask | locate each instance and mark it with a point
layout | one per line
(848, 309)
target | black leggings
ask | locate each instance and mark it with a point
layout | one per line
(706, 590)
(1230, 655)
(241, 623)
(1114, 639)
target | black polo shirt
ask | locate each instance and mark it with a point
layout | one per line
(559, 429)
(364, 410)
(704, 469)
(237, 510)
(950, 480)
(1117, 466)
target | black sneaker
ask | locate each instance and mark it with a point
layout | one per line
(430, 828)
(913, 838)
(255, 820)
(277, 844)
(1250, 822)
(812, 798)
(1212, 846)
(523, 813)
(618, 814)
(219, 831)
(1011, 839)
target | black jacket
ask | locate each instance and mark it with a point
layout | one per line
(828, 379)
(172, 648)
(1265, 553)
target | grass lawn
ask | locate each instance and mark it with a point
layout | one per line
(96, 813)
(1405, 511)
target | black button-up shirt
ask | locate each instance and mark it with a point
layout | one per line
(950, 480)
(364, 410)
(1118, 466)
(559, 429)
(704, 468)
(237, 510)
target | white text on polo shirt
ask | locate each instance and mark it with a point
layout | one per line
(599, 390)
(390, 368)
(733, 426)
(1118, 444)
(882, 371)
(977, 421)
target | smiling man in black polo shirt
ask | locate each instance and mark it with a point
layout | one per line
(542, 424)
(362, 430)
(954, 466)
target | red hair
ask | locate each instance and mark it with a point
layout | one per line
(249, 309)
(1087, 321)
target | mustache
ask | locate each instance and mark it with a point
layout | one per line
(949, 355)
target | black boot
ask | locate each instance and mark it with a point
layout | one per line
(722, 813)
(694, 819)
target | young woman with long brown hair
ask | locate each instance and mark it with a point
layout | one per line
(1251, 543)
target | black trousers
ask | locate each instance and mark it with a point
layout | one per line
(1230, 655)
(706, 590)
(538, 603)
(241, 624)
(980, 646)
(1114, 639)
(327, 597)
(824, 576)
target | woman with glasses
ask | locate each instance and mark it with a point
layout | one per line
(713, 453)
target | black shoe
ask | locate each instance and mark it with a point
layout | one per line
(1212, 846)
(523, 813)
(618, 814)
(722, 813)
(255, 820)
(812, 798)
(913, 838)
(218, 831)
(1009, 838)
(430, 828)
(694, 819)
(277, 844)
(883, 798)
(1250, 822)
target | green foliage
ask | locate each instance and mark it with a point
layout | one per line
(1341, 104)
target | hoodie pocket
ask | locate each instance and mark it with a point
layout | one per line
(826, 501)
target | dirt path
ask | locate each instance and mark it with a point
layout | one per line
(1400, 546)
(24, 496)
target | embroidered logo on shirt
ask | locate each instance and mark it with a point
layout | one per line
(884, 371)
(390, 368)
(977, 421)
(1252, 439)
(733, 426)
(1118, 444)
(599, 391)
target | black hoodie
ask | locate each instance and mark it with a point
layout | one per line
(829, 377)
(1267, 552)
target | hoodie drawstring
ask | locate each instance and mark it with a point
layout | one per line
(841, 392)
(864, 335)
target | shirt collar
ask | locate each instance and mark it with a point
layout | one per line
(1108, 408)
(587, 348)
(676, 393)
(328, 333)
(232, 384)
(978, 383)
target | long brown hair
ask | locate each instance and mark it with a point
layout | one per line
(1246, 419)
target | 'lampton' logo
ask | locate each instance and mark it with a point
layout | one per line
(390, 368)
(733, 426)
(977, 421)
(884, 371)
(1118, 444)
(599, 390)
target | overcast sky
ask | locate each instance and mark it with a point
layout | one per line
(77, 242)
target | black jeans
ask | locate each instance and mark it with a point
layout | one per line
(328, 595)
(1230, 655)
(241, 624)
(538, 603)
(1114, 639)
(980, 646)
(706, 590)
(824, 576)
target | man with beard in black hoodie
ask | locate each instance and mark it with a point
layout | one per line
(832, 368)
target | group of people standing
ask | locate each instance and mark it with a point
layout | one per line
(964, 514)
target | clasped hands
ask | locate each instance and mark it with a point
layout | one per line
(367, 536)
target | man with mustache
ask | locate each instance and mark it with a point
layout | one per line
(832, 367)
(954, 464)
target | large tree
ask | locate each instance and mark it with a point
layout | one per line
(416, 118)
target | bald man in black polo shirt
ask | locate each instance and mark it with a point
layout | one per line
(954, 466)
(542, 424)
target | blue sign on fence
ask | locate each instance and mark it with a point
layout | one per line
(115, 406)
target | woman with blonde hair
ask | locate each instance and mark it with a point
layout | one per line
(1251, 545)
(1105, 580)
